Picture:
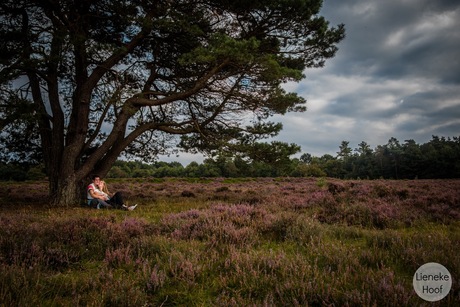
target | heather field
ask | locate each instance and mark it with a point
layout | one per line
(231, 242)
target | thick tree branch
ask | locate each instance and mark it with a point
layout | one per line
(140, 101)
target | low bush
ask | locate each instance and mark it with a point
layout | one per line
(267, 242)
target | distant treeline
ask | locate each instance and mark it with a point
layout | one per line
(438, 158)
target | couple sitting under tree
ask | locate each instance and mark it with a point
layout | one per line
(99, 197)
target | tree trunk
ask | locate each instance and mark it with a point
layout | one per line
(68, 192)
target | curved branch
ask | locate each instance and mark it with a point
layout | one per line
(140, 101)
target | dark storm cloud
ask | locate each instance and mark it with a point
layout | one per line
(395, 39)
(396, 74)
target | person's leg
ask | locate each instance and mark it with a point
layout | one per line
(104, 205)
(98, 204)
(93, 203)
(117, 200)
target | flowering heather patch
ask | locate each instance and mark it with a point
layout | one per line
(12, 194)
(229, 224)
(239, 242)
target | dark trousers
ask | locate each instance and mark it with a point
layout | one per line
(99, 204)
(116, 200)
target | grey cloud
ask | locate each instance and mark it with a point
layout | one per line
(396, 74)
(420, 51)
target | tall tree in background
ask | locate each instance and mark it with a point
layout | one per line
(364, 161)
(345, 158)
(93, 79)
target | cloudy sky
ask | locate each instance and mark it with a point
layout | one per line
(396, 74)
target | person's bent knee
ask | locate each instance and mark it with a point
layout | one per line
(94, 204)
(104, 205)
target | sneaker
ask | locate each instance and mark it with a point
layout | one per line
(125, 207)
(131, 208)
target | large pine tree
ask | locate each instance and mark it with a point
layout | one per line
(84, 81)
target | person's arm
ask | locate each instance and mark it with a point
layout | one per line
(95, 194)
